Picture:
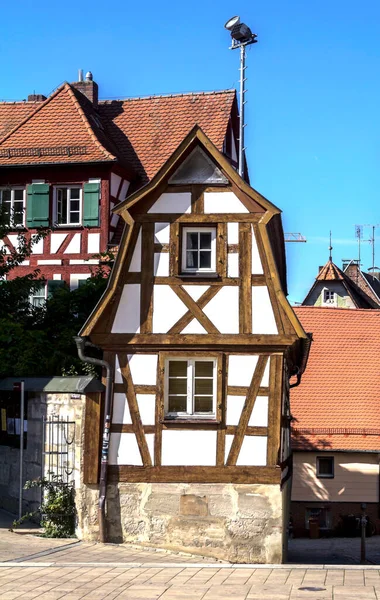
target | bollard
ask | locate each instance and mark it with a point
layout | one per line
(363, 523)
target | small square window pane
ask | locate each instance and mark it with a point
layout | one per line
(204, 368)
(205, 259)
(203, 404)
(192, 260)
(191, 240)
(19, 195)
(178, 368)
(177, 386)
(205, 240)
(177, 403)
(203, 386)
(74, 217)
(74, 205)
(325, 466)
(74, 193)
(6, 195)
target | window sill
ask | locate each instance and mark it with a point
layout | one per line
(191, 421)
(200, 275)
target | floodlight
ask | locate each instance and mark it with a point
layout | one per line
(231, 22)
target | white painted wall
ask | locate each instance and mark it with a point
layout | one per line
(74, 245)
(38, 248)
(75, 278)
(124, 449)
(188, 448)
(257, 267)
(241, 368)
(232, 233)
(263, 320)
(223, 309)
(253, 451)
(161, 233)
(143, 368)
(194, 327)
(196, 291)
(115, 183)
(161, 264)
(146, 404)
(233, 265)
(124, 190)
(120, 412)
(135, 266)
(223, 202)
(127, 318)
(56, 240)
(93, 243)
(167, 308)
(172, 202)
(259, 416)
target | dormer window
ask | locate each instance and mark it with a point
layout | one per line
(13, 205)
(328, 297)
(199, 250)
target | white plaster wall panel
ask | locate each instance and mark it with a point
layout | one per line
(161, 264)
(223, 310)
(167, 308)
(112, 204)
(194, 327)
(188, 448)
(127, 318)
(120, 413)
(49, 262)
(259, 416)
(114, 220)
(57, 276)
(76, 278)
(115, 184)
(176, 202)
(124, 450)
(253, 451)
(146, 404)
(56, 240)
(234, 407)
(233, 265)
(241, 368)
(38, 247)
(93, 243)
(135, 265)
(90, 261)
(232, 233)
(143, 368)
(257, 266)
(12, 237)
(74, 245)
(118, 377)
(161, 233)
(263, 320)
(195, 291)
(265, 379)
(124, 190)
(229, 440)
(223, 202)
(150, 443)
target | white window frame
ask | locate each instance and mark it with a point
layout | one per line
(190, 413)
(330, 299)
(199, 271)
(13, 189)
(55, 205)
(44, 288)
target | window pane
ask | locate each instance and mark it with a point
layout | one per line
(178, 368)
(19, 195)
(192, 260)
(203, 404)
(177, 403)
(203, 386)
(177, 386)
(18, 213)
(74, 205)
(204, 368)
(74, 193)
(205, 240)
(205, 259)
(74, 217)
(325, 466)
(6, 195)
(192, 240)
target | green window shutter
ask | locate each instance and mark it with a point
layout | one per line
(53, 285)
(37, 207)
(91, 193)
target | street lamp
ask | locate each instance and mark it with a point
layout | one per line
(241, 36)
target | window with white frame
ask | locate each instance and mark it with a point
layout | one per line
(190, 387)
(328, 296)
(68, 205)
(13, 205)
(38, 297)
(199, 250)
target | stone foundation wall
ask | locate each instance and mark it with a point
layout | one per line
(238, 523)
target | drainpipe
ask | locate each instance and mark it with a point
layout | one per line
(81, 342)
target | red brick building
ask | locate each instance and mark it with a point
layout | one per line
(67, 160)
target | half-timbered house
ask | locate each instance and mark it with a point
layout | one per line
(196, 326)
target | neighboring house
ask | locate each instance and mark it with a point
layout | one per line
(196, 325)
(336, 288)
(67, 160)
(369, 283)
(336, 419)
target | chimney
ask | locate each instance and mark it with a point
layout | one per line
(88, 87)
(36, 98)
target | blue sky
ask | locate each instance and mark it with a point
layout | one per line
(313, 102)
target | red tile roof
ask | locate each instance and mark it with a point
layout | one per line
(337, 404)
(12, 113)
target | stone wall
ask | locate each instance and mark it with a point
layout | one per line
(239, 523)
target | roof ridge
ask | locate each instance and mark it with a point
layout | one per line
(337, 309)
(87, 124)
(173, 95)
(38, 108)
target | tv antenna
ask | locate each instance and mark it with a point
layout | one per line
(371, 240)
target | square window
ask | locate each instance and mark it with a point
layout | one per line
(325, 467)
(12, 201)
(328, 297)
(190, 388)
(199, 250)
(67, 205)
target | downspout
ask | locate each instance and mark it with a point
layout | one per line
(81, 342)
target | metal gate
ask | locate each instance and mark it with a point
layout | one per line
(58, 449)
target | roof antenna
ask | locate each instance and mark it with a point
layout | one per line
(330, 249)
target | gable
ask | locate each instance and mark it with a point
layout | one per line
(198, 168)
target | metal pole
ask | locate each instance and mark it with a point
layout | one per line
(242, 103)
(22, 404)
(363, 523)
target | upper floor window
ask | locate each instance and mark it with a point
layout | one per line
(190, 388)
(328, 297)
(68, 205)
(13, 203)
(199, 250)
(325, 467)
